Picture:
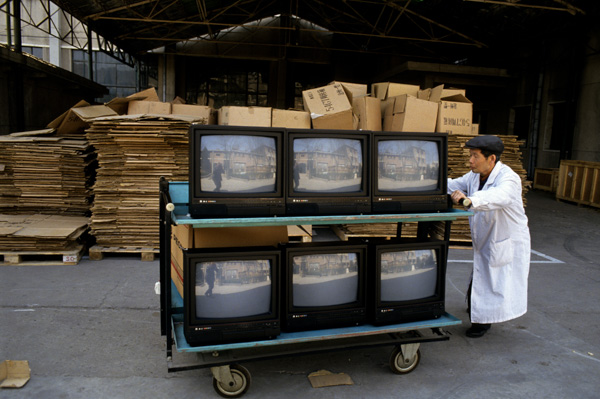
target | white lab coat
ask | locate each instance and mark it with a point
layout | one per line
(501, 245)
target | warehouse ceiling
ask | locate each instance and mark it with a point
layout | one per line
(476, 32)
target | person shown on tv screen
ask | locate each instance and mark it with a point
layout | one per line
(210, 276)
(217, 175)
(500, 234)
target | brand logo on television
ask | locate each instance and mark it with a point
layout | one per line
(202, 328)
(299, 316)
(384, 199)
(206, 201)
(300, 200)
(386, 310)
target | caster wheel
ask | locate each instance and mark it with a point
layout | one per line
(399, 365)
(239, 386)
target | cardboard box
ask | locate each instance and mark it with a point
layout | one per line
(475, 129)
(406, 113)
(329, 108)
(291, 119)
(353, 90)
(202, 111)
(79, 117)
(120, 104)
(14, 373)
(452, 92)
(137, 107)
(245, 116)
(368, 112)
(387, 90)
(455, 115)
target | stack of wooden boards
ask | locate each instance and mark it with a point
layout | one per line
(43, 173)
(133, 153)
(458, 165)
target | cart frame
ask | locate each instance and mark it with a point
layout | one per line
(406, 337)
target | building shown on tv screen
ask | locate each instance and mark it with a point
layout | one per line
(238, 164)
(415, 163)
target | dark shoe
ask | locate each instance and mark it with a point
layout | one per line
(478, 330)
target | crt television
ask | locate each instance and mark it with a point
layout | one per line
(231, 295)
(408, 280)
(327, 172)
(410, 172)
(236, 171)
(324, 285)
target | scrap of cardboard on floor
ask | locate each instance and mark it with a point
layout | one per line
(14, 373)
(325, 378)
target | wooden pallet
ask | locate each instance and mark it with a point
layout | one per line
(42, 258)
(97, 252)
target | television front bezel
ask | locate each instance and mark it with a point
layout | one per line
(362, 197)
(302, 318)
(413, 200)
(395, 312)
(210, 203)
(202, 331)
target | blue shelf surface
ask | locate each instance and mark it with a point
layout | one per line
(284, 338)
(179, 191)
(182, 345)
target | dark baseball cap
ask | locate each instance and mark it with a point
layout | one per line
(486, 142)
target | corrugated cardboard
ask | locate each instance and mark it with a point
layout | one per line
(120, 104)
(353, 90)
(137, 107)
(455, 115)
(245, 116)
(14, 373)
(291, 119)
(202, 111)
(368, 112)
(385, 90)
(78, 117)
(450, 91)
(475, 129)
(409, 114)
(329, 108)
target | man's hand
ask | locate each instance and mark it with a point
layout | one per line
(457, 196)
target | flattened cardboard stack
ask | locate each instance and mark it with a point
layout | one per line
(133, 153)
(41, 173)
(34, 232)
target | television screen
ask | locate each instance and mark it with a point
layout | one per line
(325, 280)
(238, 164)
(324, 285)
(408, 165)
(327, 172)
(407, 280)
(410, 172)
(327, 165)
(231, 294)
(236, 171)
(408, 275)
(233, 288)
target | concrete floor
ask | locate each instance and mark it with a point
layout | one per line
(93, 331)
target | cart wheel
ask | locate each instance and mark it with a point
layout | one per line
(399, 365)
(239, 386)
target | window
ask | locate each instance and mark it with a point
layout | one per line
(35, 51)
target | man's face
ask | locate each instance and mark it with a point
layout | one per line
(479, 163)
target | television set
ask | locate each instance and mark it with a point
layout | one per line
(231, 295)
(410, 172)
(327, 172)
(408, 280)
(324, 285)
(236, 171)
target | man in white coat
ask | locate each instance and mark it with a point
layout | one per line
(501, 242)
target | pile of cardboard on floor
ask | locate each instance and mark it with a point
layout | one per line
(37, 232)
(134, 151)
(41, 172)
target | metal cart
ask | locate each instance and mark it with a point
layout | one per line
(230, 379)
